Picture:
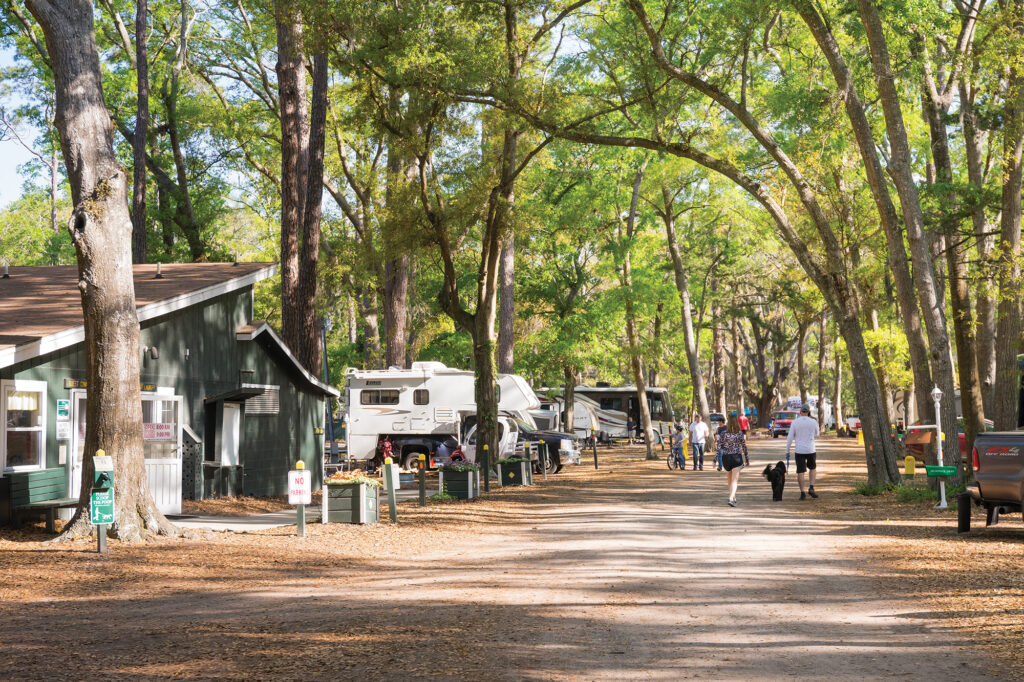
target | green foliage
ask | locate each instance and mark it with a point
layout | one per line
(864, 488)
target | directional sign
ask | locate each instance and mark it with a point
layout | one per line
(300, 487)
(101, 508)
(940, 472)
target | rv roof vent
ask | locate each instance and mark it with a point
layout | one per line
(393, 367)
(603, 384)
(428, 366)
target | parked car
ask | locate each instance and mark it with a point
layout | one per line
(514, 433)
(781, 421)
(918, 450)
(852, 425)
(998, 463)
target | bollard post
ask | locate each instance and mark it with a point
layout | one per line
(543, 460)
(909, 467)
(486, 464)
(101, 538)
(422, 463)
(593, 444)
(389, 482)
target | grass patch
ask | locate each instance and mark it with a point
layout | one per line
(913, 493)
(868, 490)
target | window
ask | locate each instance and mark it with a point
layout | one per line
(657, 407)
(268, 402)
(378, 397)
(23, 416)
(421, 396)
(611, 404)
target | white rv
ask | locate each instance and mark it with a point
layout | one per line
(586, 416)
(617, 403)
(417, 409)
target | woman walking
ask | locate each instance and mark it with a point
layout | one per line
(733, 448)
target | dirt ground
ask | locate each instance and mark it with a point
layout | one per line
(629, 572)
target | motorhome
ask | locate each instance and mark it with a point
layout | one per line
(407, 412)
(586, 417)
(623, 400)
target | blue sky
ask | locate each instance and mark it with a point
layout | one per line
(12, 154)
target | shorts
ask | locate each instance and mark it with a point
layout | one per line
(805, 462)
(732, 460)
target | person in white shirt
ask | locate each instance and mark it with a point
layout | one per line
(802, 433)
(699, 433)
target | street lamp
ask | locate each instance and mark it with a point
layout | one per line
(937, 398)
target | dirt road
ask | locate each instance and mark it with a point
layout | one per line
(632, 572)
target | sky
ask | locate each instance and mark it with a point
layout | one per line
(12, 154)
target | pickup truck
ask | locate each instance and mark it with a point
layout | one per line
(513, 433)
(998, 486)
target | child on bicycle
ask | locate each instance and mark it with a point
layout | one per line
(676, 441)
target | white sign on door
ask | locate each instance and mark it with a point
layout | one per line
(300, 487)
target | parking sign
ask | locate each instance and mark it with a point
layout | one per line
(300, 487)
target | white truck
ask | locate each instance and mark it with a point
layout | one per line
(416, 410)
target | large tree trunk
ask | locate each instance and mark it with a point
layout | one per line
(837, 393)
(821, 373)
(738, 367)
(350, 308)
(101, 229)
(569, 393)
(372, 357)
(801, 370)
(141, 129)
(396, 309)
(700, 393)
(878, 183)
(717, 351)
(635, 361)
(506, 313)
(291, 85)
(1008, 328)
(902, 173)
(401, 178)
(309, 350)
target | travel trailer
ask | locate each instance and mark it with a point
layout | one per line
(614, 401)
(415, 410)
(586, 416)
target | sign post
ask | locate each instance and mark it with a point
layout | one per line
(543, 459)
(101, 499)
(593, 444)
(300, 493)
(421, 462)
(389, 482)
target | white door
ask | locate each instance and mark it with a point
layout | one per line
(161, 437)
(229, 434)
(77, 443)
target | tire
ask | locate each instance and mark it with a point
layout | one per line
(673, 461)
(552, 461)
(775, 434)
(963, 513)
(411, 461)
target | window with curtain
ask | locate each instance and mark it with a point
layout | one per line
(23, 408)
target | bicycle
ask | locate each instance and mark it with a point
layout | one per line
(675, 462)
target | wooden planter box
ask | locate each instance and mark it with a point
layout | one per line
(515, 473)
(351, 503)
(464, 485)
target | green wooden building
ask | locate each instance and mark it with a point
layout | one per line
(227, 408)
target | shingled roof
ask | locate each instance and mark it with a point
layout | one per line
(41, 308)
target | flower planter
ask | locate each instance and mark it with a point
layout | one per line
(515, 473)
(465, 485)
(351, 503)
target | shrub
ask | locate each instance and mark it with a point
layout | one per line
(868, 490)
(913, 493)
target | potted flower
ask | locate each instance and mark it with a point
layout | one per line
(351, 497)
(460, 479)
(515, 471)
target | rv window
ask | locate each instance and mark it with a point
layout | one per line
(611, 404)
(378, 397)
(421, 396)
(658, 409)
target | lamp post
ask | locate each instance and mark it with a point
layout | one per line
(937, 398)
(325, 326)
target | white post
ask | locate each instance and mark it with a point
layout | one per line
(938, 433)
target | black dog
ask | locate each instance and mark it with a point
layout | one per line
(777, 477)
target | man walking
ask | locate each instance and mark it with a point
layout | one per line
(698, 439)
(802, 433)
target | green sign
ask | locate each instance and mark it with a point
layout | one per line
(940, 472)
(101, 509)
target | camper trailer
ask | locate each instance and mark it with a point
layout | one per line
(416, 409)
(586, 418)
(617, 403)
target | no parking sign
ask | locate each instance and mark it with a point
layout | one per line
(300, 487)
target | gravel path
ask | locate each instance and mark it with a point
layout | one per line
(630, 572)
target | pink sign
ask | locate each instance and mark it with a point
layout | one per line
(158, 431)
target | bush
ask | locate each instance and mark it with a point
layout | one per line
(913, 493)
(868, 490)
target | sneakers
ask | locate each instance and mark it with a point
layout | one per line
(803, 495)
(732, 503)
(811, 491)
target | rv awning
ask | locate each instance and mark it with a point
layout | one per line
(236, 395)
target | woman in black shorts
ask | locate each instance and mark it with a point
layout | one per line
(733, 446)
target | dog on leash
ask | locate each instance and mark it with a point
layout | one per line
(777, 477)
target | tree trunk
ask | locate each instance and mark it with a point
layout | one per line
(350, 305)
(291, 85)
(309, 349)
(837, 393)
(821, 373)
(371, 330)
(717, 351)
(683, 288)
(396, 309)
(1008, 327)
(801, 370)
(738, 367)
(506, 313)
(54, 185)
(635, 361)
(569, 400)
(100, 229)
(902, 173)
(141, 130)
(654, 371)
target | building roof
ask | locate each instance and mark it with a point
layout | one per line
(41, 307)
(262, 332)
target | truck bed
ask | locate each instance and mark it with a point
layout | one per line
(1000, 471)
